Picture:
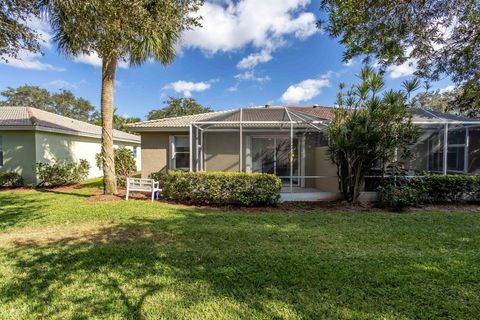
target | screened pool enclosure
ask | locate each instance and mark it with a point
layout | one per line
(291, 143)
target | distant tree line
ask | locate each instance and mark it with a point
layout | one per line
(65, 103)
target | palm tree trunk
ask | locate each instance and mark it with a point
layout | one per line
(109, 66)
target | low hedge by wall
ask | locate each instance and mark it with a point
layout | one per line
(10, 179)
(219, 188)
(400, 192)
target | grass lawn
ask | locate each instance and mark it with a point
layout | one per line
(64, 257)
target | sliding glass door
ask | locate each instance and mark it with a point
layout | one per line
(272, 155)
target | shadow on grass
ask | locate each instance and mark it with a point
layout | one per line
(64, 192)
(16, 208)
(151, 268)
(91, 183)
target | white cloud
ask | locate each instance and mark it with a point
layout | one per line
(255, 58)
(42, 28)
(28, 60)
(304, 91)
(447, 89)
(349, 63)
(405, 69)
(265, 24)
(187, 87)
(94, 60)
(233, 88)
(61, 84)
(250, 76)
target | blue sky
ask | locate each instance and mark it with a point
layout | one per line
(248, 53)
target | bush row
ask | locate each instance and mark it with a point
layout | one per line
(60, 173)
(10, 179)
(401, 192)
(219, 188)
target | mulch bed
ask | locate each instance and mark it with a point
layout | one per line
(103, 198)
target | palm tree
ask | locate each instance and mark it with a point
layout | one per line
(119, 30)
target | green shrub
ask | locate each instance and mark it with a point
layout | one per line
(399, 194)
(452, 188)
(60, 172)
(219, 188)
(125, 165)
(10, 179)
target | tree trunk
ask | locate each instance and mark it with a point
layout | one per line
(109, 65)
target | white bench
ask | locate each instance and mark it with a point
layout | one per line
(143, 185)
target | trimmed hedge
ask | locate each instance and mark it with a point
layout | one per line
(400, 192)
(219, 188)
(452, 188)
(10, 179)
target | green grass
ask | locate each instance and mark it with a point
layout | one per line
(64, 257)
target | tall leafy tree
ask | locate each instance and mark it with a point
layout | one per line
(119, 30)
(369, 126)
(27, 95)
(176, 107)
(436, 100)
(119, 122)
(64, 103)
(15, 34)
(439, 36)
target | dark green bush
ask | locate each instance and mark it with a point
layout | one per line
(10, 179)
(219, 188)
(452, 188)
(124, 164)
(400, 192)
(60, 173)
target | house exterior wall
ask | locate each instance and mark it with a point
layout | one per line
(222, 154)
(69, 148)
(324, 167)
(73, 149)
(19, 154)
(155, 151)
(222, 151)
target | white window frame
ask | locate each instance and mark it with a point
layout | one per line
(173, 153)
(135, 152)
(465, 152)
(439, 145)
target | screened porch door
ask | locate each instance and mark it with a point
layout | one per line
(271, 154)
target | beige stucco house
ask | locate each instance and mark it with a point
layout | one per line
(291, 143)
(29, 135)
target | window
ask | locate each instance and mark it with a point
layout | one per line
(456, 150)
(1, 151)
(135, 152)
(180, 152)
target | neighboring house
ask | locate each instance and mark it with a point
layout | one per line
(291, 143)
(29, 135)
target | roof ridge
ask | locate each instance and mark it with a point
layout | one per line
(179, 117)
(32, 117)
(49, 120)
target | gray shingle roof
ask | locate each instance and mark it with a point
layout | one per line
(278, 113)
(175, 122)
(32, 118)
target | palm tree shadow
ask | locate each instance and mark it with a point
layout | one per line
(15, 209)
(128, 260)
